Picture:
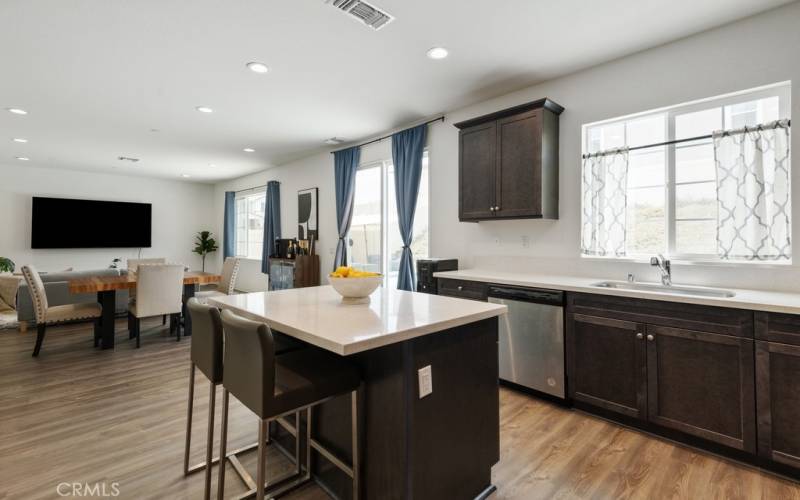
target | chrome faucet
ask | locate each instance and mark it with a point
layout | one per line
(663, 265)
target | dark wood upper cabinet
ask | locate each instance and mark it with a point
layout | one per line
(477, 161)
(508, 163)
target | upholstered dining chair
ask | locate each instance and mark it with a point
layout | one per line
(159, 292)
(47, 315)
(227, 285)
(133, 264)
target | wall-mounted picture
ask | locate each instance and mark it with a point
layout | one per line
(307, 215)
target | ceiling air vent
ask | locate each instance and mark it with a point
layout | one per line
(368, 14)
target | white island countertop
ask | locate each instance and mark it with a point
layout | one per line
(316, 315)
(756, 300)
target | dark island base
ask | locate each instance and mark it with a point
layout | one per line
(440, 446)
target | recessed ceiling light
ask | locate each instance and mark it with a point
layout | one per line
(204, 109)
(333, 141)
(22, 158)
(19, 139)
(17, 111)
(212, 165)
(185, 176)
(437, 53)
(257, 67)
(249, 150)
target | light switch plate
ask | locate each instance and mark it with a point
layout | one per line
(425, 381)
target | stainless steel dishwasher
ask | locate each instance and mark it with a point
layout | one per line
(532, 338)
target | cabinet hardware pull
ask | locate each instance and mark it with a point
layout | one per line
(491, 209)
(496, 209)
(460, 288)
(650, 338)
(639, 336)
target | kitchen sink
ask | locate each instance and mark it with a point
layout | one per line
(697, 291)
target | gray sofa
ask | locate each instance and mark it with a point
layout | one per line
(56, 288)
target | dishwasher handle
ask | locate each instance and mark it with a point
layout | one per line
(536, 295)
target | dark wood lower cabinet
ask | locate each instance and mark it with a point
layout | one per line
(702, 384)
(778, 395)
(606, 364)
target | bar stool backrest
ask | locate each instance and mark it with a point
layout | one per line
(249, 362)
(206, 339)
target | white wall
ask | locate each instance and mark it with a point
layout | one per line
(756, 51)
(180, 209)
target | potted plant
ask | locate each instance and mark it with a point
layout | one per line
(6, 265)
(204, 245)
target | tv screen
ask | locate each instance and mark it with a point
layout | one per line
(67, 223)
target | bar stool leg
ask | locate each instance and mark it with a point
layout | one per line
(223, 444)
(354, 438)
(262, 458)
(210, 441)
(189, 421)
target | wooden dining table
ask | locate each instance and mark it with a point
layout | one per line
(107, 286)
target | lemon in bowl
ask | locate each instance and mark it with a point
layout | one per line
(353, 285)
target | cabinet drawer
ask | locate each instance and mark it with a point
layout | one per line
(463, 289)
(777, 327)
(722, 320)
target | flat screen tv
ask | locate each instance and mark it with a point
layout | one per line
(68, 223)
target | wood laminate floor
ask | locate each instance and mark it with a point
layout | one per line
(79, 415)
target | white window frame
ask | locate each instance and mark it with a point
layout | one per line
(244, 195)
(384, 170)
(782, 90)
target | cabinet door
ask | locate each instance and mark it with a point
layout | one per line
(518, 189)
(477, 152)
(606, 364)
(778, 394)
(702, 384)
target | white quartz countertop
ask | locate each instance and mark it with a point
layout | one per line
(316, 315)
(757, 300)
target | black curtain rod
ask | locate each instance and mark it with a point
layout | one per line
(379, 139)
(658, 144)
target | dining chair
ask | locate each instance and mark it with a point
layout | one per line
(159, 292)
(273, 386)
(227, 285)
(48, 315)
(133, 264)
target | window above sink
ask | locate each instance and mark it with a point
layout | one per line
(669, 199)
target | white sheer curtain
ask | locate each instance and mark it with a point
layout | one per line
(605, 203)
(754, 192)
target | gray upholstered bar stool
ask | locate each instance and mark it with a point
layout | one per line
(274, 386)
(206, 354)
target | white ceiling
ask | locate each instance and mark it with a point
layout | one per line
(97, 76)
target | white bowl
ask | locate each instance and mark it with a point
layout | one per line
(355, 290)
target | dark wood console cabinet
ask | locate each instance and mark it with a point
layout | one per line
(508, 164)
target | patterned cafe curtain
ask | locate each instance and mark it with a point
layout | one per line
(604, 204)
(753, 192)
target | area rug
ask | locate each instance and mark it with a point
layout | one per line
(8, 320)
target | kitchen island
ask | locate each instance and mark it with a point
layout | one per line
(439, 445)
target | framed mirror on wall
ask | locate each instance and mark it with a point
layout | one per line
(307, 214)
